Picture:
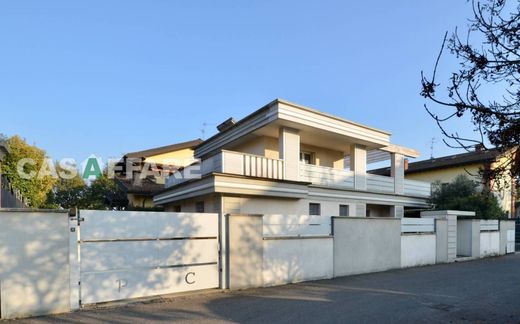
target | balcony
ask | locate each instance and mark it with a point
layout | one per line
(231, 163)
(249, 165)
(345, 179)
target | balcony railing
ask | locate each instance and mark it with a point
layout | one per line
(231, 163)
(380, 183)
(326, 176)
(417, 188)
(249, 165)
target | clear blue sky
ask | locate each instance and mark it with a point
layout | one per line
(108, 77)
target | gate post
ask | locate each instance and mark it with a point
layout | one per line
(74, 237)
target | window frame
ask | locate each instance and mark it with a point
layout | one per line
(318, 205)
(312, 157)
(198, 204)
(347, 208)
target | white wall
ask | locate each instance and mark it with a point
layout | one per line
(363, 245)
(418, 249)
(34, 263)
(281, 206)
(489, 243)
(294, 260)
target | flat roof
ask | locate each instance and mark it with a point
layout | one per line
(286, 102)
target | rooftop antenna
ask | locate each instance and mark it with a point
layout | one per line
(203, 129)
(432, 143)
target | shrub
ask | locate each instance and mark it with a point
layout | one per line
(465, 194)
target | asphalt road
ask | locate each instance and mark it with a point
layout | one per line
(486, 290)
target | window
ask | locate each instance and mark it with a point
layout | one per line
(343, 210)
(199, 207)
(177, 209)
(307, 157)
(314, 209)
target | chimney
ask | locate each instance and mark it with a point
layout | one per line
(227, 124)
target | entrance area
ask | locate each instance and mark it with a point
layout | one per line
(127, 254)
(374, 210)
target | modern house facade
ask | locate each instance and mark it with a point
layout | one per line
(446, 168)
(289, 159)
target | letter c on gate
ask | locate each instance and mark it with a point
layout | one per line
(187, 279)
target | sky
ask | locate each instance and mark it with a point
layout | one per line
(108, 77)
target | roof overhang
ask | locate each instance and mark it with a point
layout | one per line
(241, 185)
(281, 113)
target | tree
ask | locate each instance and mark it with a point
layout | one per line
(465, 194)
(104, 193)
(489, 61)
(67, 193)
(33, 188)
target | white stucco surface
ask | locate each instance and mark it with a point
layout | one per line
(34, 263)
(295, 260)
(489, 243)
(418, 250)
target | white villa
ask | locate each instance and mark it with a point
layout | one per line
(289, 159)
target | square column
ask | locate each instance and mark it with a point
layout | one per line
(289, 152)
(358, 164)
(397, 172)
(397, 211)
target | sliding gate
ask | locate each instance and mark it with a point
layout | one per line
(129, 254)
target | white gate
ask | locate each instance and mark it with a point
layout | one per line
(129, 254)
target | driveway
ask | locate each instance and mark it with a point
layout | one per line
(486, 290)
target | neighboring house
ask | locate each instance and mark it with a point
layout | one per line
(445, 169)
(165, 160)
(289, 159)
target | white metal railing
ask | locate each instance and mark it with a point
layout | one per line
(417, 225)
(417, 188)
(326, 176)
(251, 165)
(258, 166)
(489, 225)
(380, 183)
